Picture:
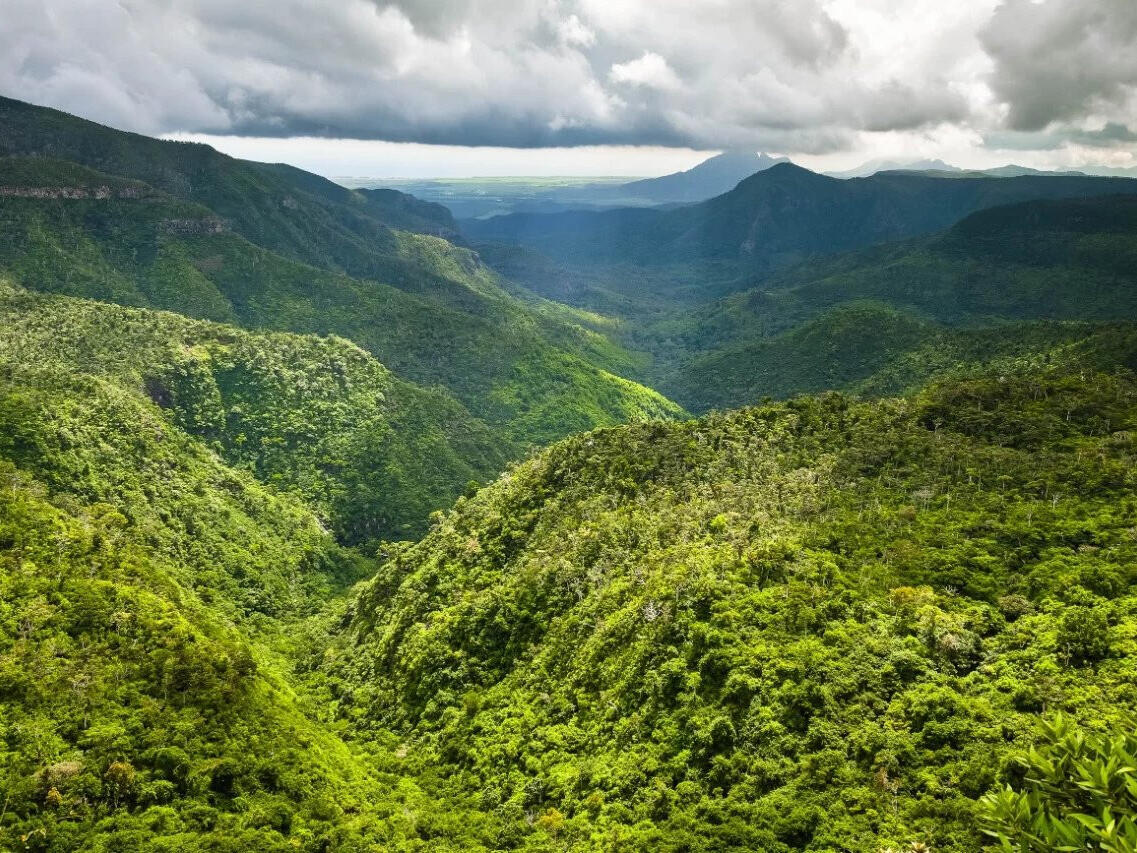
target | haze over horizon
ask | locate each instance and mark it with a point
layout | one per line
(580, 87)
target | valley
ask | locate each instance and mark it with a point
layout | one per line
(723, 512)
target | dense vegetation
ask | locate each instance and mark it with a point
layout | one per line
(896, 618)
(135, 713)
(929, 303)
(870, 349)
(274, 247)
(317, 416)
(821, 625)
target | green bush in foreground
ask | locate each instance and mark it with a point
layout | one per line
(1077, 791)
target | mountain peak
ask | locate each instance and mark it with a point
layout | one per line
(781, 171)
(714, 176)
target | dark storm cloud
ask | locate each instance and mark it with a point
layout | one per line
(1112, 135)
(805, 76)
(477, 72)
(1062, 60)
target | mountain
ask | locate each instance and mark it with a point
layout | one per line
(145, 699)
(371, 454)
(835, 323)
(712, 177)
(286, 210)
(819, 625)
(93, 212)
(1013, 171)
(477, 198)
(774, 219)
(871, 167)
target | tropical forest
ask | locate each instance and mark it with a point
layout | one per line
(755, 505)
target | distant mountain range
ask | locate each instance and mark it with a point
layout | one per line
(712, 177)
(873, 166)
(474, 198)
(939, 167)
(776, 218)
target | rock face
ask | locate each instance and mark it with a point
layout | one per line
(102, 192)
(181, 226)
(193, 227)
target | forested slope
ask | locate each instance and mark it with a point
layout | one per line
(137, 710)
(317, 416)
(95, 212)
(818, 625)
(997, 283)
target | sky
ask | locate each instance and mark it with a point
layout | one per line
(417, 88)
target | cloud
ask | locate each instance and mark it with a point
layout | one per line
(650, 70)
(1063, 61)
(1110, 135)
(808, 76)
(575, 34)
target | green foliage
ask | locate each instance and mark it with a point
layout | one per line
(157, 604)
(886, 319)
(317, 416)
(133, 712)
(1077, 791)
(836, 350)
(278, 248)
(820, 625)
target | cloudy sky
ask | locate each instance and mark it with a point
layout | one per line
(444, 87)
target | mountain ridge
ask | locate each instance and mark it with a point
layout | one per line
(777, 217)
(427, 308)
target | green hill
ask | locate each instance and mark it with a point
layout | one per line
(317, 416)
(833, 351)
(286, 210)
(819, 625)
(869, 348)
(273, 247)
(1065, 259)
(960, 296)
(134, 712)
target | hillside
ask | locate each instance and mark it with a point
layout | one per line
(801, 330)
(871, 349)
(1046, 258)
(163, 584)
(820, 625)
(131, 700)
(286, 210)
(776, 218)
(318, 416)
(438, 317)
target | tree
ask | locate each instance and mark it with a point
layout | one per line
(1083, 635)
